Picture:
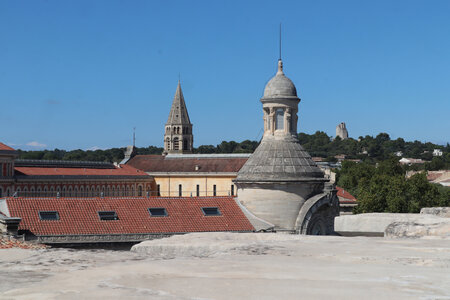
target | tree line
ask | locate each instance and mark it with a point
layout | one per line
(117, 154)
(369, 149)
(384, 188)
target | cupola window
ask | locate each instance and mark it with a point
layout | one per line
(279, 119)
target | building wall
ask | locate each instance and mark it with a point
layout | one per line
(82, 188)
(277, 203)
(169, 185)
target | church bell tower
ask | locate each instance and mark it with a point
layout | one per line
(178, 138)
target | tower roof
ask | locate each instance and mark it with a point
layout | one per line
(280, 161)
(178, 113)
(280, 86)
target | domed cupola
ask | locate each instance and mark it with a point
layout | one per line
(280, 86)
(280, 183)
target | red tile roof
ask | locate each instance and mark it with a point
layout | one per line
(5, 147)
(158, 163)
(345, 196)
(78, 216)
(123, 170)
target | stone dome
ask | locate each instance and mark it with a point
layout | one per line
(280, 86)
(282, 160)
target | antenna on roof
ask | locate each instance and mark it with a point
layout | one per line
(280, 41)
(134, 136)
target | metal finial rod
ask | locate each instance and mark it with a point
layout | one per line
(280, 40)
(134, 136)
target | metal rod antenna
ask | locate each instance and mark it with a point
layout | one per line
(280, 40)
(134, 136)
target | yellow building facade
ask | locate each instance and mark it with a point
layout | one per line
(191, 175)
(195, 185)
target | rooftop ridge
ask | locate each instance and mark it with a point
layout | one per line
(221, 155)
(63, 164)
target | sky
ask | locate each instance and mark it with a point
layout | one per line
(82, 74)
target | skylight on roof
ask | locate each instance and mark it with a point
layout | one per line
(107, 215)
(211, 211)
(48, 215)
(157, 212)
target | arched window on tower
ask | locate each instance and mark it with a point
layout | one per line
(185, 144)
(168, 144)
(279, 119)
(176, 145)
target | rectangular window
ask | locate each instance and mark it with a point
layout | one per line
(180, 190)
(279, 119)
(157, 212)
(232, 190)
(211, 211)
(158, 190)
(48, 215)
(107, 215)
(214, 190)
(198, 190)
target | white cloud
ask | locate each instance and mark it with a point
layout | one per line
(36, 144)
(94, 148)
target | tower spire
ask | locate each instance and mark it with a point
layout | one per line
(178, 130)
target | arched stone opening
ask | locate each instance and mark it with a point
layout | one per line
(176, 145)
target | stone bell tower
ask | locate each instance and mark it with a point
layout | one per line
(178, 136)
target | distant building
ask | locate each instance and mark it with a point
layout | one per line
(341, 131)
(398, 153)
(346, 201)
(192, 174)
(178, 136)
(410, 161)
(340, 157)
(441, 177)
(43, 178)
(437, 152)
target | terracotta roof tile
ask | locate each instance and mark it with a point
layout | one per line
(79, 215)
(123, 170)
(344, 196)
(5, 147)
(158, 163)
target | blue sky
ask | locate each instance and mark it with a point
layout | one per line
(82, 74)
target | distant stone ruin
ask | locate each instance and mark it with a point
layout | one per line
(341, 131)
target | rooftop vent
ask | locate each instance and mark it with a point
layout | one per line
(107, 215)
(48, 215)
(211, 211)
(157, 212)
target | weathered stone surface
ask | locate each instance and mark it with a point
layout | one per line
(375, 224)
(279, 159)
(260, 266)
(437, 211)
(419, 229)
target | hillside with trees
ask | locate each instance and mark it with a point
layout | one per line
(369, 149)
(384, 188)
